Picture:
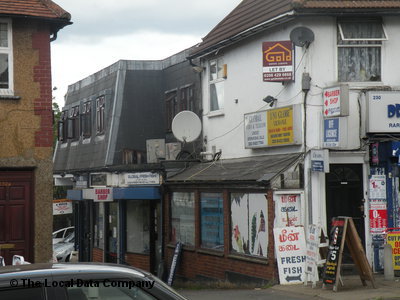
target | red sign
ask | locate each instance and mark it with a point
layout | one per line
(378, 218)
(103, 194)
(278, 61)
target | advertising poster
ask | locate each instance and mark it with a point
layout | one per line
(312, 254)
(287, 210)
(290, 248)
(377, 187)
(378, 219)
(278, 63)
(62, 207)
(393, 238)
(249, 219)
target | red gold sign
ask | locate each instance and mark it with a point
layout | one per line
(278, 61)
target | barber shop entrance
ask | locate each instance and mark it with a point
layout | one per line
(344, 195)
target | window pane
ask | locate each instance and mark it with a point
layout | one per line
(212, 221)
(3, 35)
(108, 290)
(359, 63)
(99, 226)
(4, 71)
(217, 96)
(359, 30)
(182, 218)
(137, 227)
(22, 293)
(249, 224)
(213, 70)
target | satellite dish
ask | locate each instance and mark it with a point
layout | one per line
(302, 36)
(186, 126)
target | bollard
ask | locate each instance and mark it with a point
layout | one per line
(388, 262)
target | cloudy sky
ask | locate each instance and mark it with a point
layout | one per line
(106, 31)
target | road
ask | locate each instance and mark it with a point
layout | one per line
(233, 294)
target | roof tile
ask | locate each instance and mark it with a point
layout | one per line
(35, 8)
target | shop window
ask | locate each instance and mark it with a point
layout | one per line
(249, 221)
(6, 58)
(359, 49)
(212, 221)
(62, 127)
(100, 115)
(182, 218)
(216, 79)
(171, 106)
(138, 226)
(99, 226)
(86, 120)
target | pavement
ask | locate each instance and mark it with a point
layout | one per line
(351, 290)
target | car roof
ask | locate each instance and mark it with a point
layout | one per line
(70, 268)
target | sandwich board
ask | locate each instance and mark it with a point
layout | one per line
(344, 231)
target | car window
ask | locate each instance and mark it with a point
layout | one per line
(58, 235)
(106, 292)
(36, 293)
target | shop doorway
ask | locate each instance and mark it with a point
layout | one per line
(344, 195)
(112, 233)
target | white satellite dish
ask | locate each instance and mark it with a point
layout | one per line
(186, 126)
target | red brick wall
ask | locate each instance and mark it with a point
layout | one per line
(97, 255)
(42, 75)
(194, 262)
(141, 261)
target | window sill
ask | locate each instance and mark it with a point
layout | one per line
(186, 248)
(216, 113)
(137, 253)
(9, 97)
(256, 260)
(210, 252)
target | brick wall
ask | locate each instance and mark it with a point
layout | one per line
(194, 262)
(97, 255)
(141, 261)
(42, 75)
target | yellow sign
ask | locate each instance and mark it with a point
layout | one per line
(393, 238)
(280, 126)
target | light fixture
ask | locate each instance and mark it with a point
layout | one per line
(270, 100)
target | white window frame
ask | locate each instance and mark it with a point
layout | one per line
(217, 80)
(8, 50)
(363, 45)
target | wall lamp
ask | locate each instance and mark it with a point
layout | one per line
(270, 100)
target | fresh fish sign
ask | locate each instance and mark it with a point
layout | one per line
(290, 251)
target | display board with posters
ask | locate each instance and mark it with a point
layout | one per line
(290, 248)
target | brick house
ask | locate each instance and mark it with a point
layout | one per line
(26, 29)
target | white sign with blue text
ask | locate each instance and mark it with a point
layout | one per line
(383, 111)
(320, 160)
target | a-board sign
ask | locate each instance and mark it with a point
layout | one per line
(174, 263)
(343, 230)
(335, 246)
(290, 246)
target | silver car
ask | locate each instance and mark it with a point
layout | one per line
(81, 281)
(62, 250)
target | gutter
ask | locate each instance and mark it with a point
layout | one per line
(244, 34)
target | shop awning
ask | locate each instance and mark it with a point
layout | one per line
(255, 168)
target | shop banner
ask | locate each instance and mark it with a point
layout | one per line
(290, 248)
(312, 255)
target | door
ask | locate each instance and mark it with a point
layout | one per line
(112, 234)
(344, 195)
(16, 214)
